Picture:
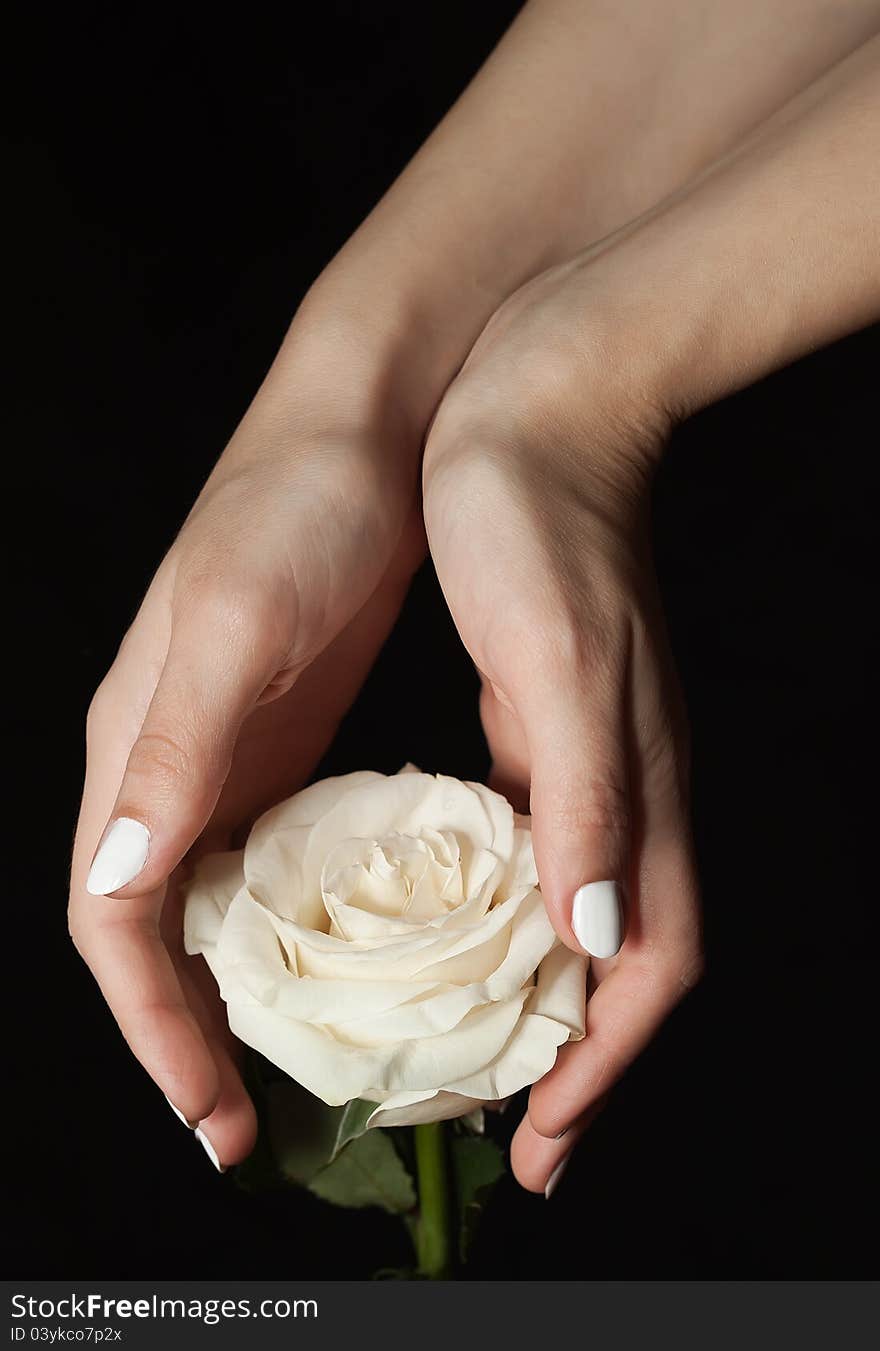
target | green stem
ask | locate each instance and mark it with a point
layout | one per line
(434, 1225)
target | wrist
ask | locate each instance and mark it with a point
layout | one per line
(370, 357)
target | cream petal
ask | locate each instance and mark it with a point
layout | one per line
(532, 937)
(444, 846)
(396, 876)
(459, 1053)
(276, 847)
(435, 1009)
(310, 804)
(333, 1072)
(500, 813)
(449, 954)
(438, 950)
(366, 1012)
(520, 871)
(406, 804)
(249, 955)
(359, 926)
(561, 990)
(360, 888)
(337, 1072)
(417, 1109)
(528, 1054)
(321, 1003)
(216, 879)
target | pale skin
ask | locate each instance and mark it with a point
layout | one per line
(739, 228)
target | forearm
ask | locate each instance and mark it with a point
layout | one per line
(771, 255)
(585, 115)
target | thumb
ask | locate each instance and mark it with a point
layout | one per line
(580, 805)
(219, 661)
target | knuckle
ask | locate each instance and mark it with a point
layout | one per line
(206, 587)
(526, 1165)
(76, 932)
(160, 755)
(463, 462)
(681, 970)
(546, 1117)
(578, 643)
(597, 805)
(99, 709)
(246, 615)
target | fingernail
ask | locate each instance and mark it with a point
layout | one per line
(209, 1150)
(597, 918)
(191, 1125)
(553, 1179)
(564, 1130)
(121, 856)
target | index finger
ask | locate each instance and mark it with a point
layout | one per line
(119, 939)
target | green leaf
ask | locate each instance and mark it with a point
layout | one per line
(305, 1133)
(477, 1164)
(352, 1123)
(368, 1172)
(302, 1130)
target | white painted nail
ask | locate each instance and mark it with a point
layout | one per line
(209, 1150)
(121, 856)
(553, 1179)
(597, 918)
(190, 1125)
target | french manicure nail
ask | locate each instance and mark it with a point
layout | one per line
(553, 1179)
(121, 856)
(597, 918)
(209, 1150)
(191, 1125)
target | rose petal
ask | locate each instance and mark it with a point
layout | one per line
(216, 879)
(276, 846)
(417, 1109)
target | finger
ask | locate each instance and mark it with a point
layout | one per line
(120, 940)
(574, 727)
(229, 1133)
(222, 655)
(623, 1015)
(661, 961)
(137, 978)
(538, 1163)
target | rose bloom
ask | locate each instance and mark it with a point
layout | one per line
(383, 937)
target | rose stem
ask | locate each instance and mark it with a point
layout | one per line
(433, 1236)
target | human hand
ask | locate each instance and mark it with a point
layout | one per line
(536, 496)
(252, 641)
(536, 483)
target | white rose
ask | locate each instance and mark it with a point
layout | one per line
(384, 938)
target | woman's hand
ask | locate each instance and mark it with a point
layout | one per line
(536, 484)
(252, 641)
(536, 488)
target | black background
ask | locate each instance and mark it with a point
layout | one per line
(182, 181)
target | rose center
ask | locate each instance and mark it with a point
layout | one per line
(394, 882)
